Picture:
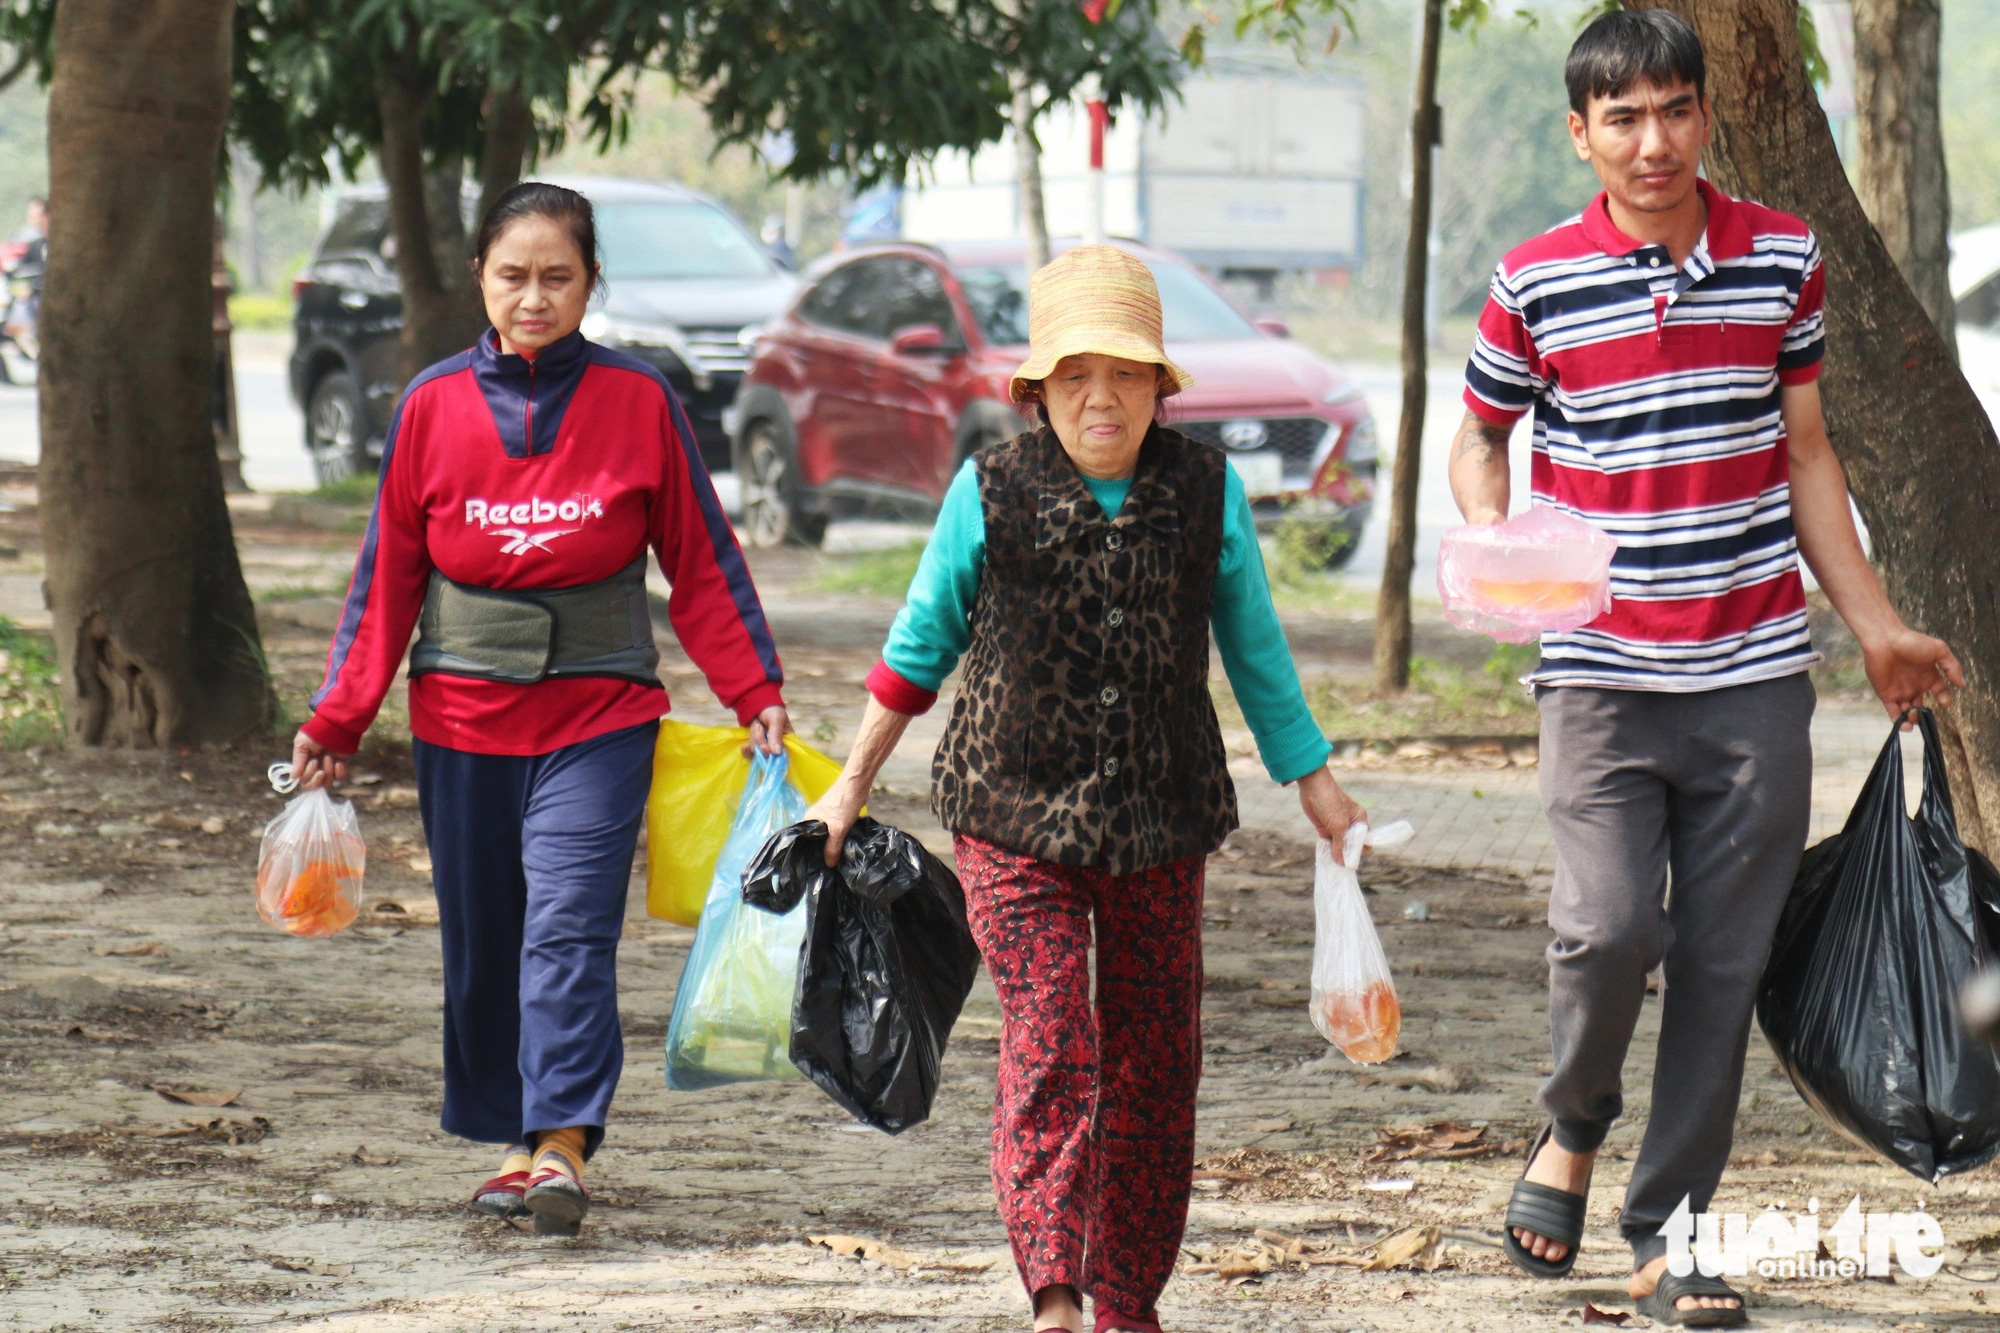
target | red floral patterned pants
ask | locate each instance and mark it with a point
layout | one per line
(1093, 1127)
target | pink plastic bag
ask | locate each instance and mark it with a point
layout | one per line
(1539, 572)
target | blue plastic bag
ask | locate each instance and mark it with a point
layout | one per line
(733, 1008)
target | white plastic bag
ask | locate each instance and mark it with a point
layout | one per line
(310, 864)
(1539, 572)
(1354, 1003)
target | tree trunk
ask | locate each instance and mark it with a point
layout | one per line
(154, 628)
(1028, 166)
(442, 313)
(1921, 456)
(1392, 605)
(510, 130)
(437, 318)
(1902, 177)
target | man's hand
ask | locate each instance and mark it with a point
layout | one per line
(314, 765)
(1905, 666)
(838, 810)
(767, 731)
(1331, 810)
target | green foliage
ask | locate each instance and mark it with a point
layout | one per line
(1508, 662)
(1444, 699)
(866, 86)
(885, 573)
(357, 488)
(1302, 550)
(260, 312)
(30, 689)
(1969, 99)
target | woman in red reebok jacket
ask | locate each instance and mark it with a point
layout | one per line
(523, 481)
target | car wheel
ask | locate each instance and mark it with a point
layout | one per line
(334, 428)
(768, 486)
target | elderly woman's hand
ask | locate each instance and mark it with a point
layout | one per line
(1330, 809)
(838, 810)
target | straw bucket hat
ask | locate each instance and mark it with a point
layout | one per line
(1095, 298)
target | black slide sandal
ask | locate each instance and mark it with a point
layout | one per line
(1663, 1306)
(1550, 1213)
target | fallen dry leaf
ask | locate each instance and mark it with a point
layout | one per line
(1440, 1141)
(1593, 1315)
(146, 950)
(217, 1130)
(362, 1157)
(399, 912)
(200, 1097)
(1415, 1246)
(860, 1247)
(311, 1266)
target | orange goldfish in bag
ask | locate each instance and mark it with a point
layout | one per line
(1354, 1002)
(310, 866)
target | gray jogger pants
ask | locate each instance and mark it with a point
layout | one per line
(1715, 786)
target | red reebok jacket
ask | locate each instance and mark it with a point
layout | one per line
(502, 472)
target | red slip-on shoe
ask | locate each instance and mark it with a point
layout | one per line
(501, 1196)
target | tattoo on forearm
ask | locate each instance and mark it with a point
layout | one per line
(1480, 440)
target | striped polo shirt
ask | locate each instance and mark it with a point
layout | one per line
(1656, 400)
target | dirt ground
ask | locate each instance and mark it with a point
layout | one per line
(324, 1194)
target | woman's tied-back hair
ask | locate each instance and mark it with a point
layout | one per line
(539, 199)
(1631, 46)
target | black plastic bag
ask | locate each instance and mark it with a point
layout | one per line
(886, 965)
(1886, 922)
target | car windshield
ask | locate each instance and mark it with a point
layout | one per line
(1193, 311)
(675, 239)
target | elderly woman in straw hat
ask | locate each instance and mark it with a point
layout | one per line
(1077, 572)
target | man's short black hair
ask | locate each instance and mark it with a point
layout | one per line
(1629, 46)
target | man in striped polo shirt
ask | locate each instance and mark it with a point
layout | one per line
(1668, 342)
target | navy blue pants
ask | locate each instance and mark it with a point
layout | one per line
(531, 856)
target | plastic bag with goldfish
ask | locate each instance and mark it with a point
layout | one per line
(310, 865)
(1354, 1003)
(1538, 573)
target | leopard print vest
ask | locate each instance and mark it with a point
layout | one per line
(1083, 732)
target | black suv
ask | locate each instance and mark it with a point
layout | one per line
(687, 287)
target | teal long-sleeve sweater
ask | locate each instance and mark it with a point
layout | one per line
(934, 628)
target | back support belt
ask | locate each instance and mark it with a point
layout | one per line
(522, 636)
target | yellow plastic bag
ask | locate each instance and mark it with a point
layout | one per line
(698, 778)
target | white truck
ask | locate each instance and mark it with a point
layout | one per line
(1258, 168)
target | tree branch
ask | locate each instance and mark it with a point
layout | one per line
(18, 68)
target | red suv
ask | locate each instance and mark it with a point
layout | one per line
(891, 369)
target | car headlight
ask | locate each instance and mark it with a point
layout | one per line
(1362, 446)
(600, 327)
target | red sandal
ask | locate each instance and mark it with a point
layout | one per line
(502, 1196)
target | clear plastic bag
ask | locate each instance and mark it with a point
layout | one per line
(1539, 572)
(310, 864)
(698, 775)
(732, 1018)
(1354, 1003)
